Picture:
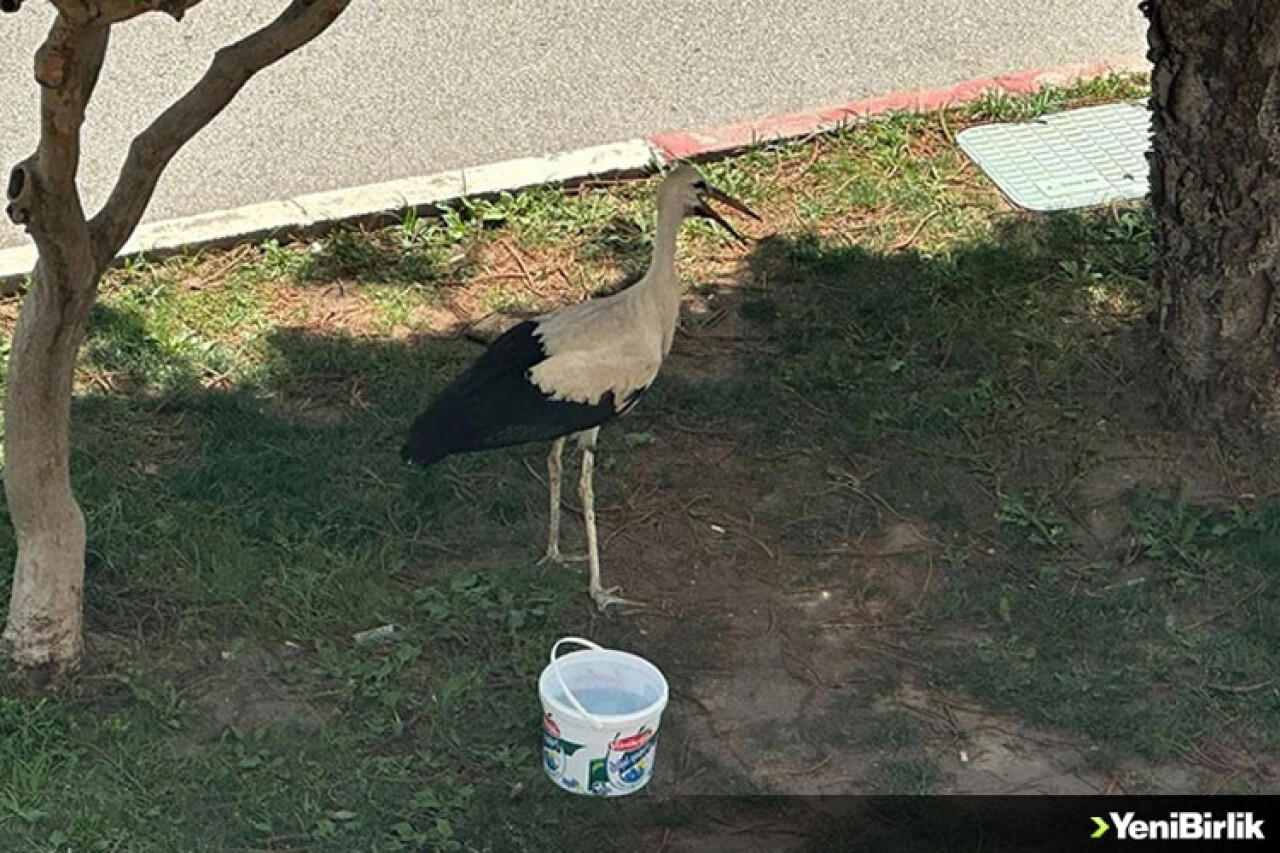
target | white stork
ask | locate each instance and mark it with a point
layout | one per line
(569, 371)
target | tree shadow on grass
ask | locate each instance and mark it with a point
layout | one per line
(982, 358)
(374, 258)
(284, 501)
(450, 248)
(1005, 395)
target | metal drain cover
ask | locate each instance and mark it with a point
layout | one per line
(1078, 158)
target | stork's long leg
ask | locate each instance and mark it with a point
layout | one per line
(603, 597)
(554, 471)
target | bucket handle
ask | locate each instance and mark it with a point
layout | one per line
(573, 700)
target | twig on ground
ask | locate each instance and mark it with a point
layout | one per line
(524, 270)
(901, 246)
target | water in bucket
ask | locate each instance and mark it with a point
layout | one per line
(600, 714)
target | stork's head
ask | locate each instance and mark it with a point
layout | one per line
(686, 187)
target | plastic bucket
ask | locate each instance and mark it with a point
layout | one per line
(600, 715)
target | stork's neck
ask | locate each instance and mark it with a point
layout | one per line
(662, 268)
(659, 290)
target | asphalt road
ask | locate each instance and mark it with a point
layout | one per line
(407, 87)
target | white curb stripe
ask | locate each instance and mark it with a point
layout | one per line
(297, 215)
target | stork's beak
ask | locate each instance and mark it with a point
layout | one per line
(724, 198)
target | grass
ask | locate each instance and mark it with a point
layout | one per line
(976, 370)
(1198, 628)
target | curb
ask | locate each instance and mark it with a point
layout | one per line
(735, 137)
(309, 214)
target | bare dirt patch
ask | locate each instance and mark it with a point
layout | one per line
(817, 688)
(322, 308)
(791, 669)
(240, 688)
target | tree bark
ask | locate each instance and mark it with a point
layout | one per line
(1215, 191)
(44, 626)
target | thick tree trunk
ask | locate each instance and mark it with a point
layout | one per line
(1215, 190)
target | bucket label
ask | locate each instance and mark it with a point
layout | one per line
(630, 759)
(555, 752)
(552, 753)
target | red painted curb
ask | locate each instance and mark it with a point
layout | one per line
(677, 145)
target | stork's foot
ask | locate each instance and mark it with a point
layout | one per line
(604, 597)
(553, 555)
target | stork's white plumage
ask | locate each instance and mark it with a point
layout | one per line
(570, 371)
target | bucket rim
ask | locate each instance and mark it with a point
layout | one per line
(563, 710)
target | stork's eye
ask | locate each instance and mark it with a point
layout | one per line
(700, 185)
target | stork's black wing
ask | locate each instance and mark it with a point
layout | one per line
(494, 404)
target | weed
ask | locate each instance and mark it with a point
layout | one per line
(1035, 516)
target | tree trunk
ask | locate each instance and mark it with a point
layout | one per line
(44, 625)
(43, 630)
(1215, 191)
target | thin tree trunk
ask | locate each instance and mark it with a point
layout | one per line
(44, 626)
(1215, 190)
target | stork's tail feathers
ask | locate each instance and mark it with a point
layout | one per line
(420, 456)
(424, 445)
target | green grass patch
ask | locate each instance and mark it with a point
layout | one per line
(1151, 663)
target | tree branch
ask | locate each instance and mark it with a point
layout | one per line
(67, 68)
(109, 11)
(231, 69)
(74, 10)
(115, 11)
